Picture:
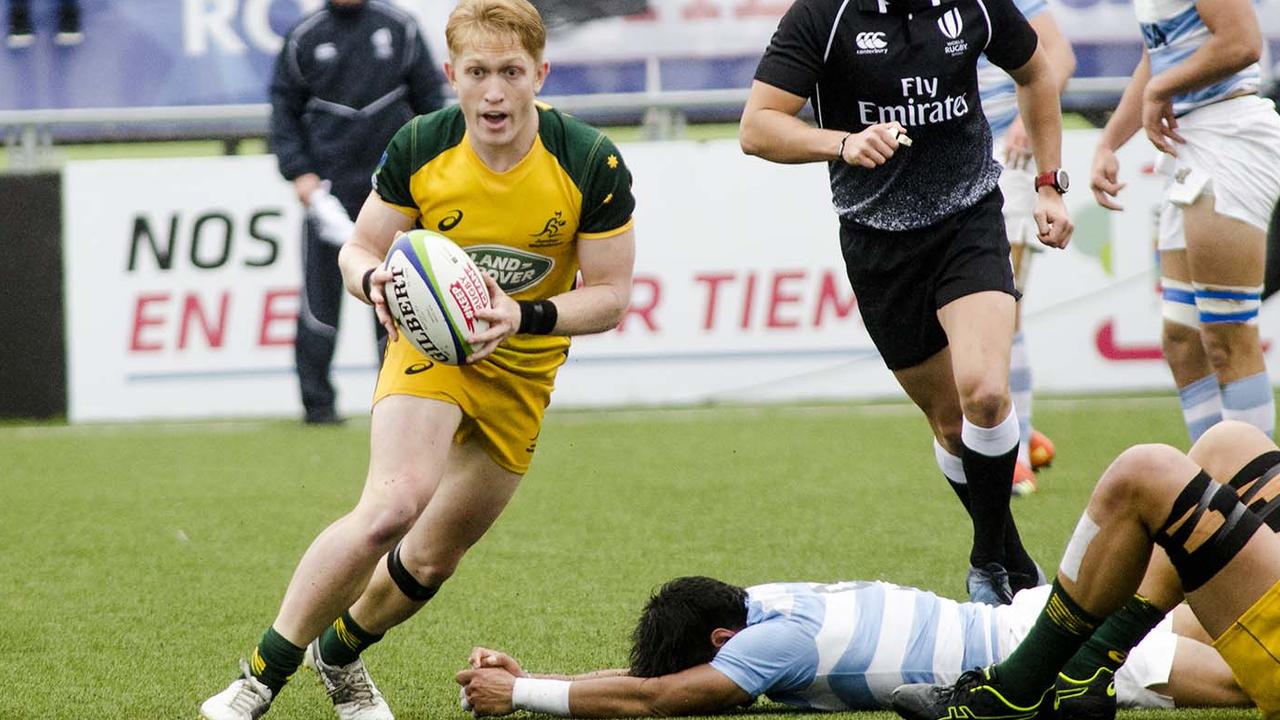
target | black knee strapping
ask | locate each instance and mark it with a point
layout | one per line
(1258, 485)
(1206, 528)
(404, 580)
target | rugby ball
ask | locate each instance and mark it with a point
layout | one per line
(434, 293)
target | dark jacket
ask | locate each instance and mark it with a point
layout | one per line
(345, 81)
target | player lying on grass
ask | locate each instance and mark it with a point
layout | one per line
(703, 646)
(1220, 552)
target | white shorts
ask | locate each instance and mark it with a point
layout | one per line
(1148, 664)
(1232, 152)
(1019, 190)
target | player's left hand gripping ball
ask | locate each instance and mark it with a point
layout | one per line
(435, 295)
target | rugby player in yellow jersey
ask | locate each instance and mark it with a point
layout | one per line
(535, 197)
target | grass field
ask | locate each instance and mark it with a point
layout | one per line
(139, 561)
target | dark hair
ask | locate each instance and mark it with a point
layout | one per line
(674, 631)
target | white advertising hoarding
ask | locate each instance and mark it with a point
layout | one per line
(182, 280)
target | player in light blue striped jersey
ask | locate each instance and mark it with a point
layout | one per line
(998, 93)
(1195, 93)
(703, 646)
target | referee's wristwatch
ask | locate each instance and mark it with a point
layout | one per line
(1056, 179)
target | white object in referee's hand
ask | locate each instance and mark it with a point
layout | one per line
(901, 137)
(329, 217)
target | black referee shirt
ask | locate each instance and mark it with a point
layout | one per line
(863, 62)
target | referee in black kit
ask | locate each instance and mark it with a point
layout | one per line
(348, 77)
(894, 89)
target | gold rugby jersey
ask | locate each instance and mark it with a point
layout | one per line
(523, 225)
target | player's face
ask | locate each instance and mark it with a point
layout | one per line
(496, 80)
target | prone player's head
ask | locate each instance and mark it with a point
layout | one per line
(496, 66)
(684, 623)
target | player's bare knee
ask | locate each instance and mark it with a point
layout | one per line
(1226, 347)
(418, 579)
(1140, 477)
(985, 403)
(386, 520)
(434, 573)
(1180, 342)
(1227, 442)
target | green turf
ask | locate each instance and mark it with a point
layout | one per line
(139, 561)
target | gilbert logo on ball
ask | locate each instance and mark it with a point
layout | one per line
(434, 293)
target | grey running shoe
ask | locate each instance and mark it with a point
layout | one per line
(989, 585)
(352, 691)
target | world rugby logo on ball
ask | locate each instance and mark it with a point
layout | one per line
(434, 294)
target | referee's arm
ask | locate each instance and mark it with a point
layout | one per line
(771, 129)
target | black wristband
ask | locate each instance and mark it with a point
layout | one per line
(366, 283)
(842, 141)
(537, 317)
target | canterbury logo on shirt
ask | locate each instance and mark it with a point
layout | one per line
(871, 43)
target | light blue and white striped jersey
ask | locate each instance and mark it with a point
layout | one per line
(846, 646)
(1172, 30)
(996, 89)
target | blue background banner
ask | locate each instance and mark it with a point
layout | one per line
(210, 52)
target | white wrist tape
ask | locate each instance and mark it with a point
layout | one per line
(543, 696)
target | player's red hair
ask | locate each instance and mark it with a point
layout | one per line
(478, 20)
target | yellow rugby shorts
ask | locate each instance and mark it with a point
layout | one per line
(1251, 646)
(501, 408)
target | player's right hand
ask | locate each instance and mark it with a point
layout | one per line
(378, 298)
(487, 691)
(482, 657)
(1104, 178)
(873, 147)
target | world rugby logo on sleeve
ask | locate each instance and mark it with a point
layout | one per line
(434, 294)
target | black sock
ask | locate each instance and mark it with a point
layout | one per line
(1115, 637)
(990, 487)
(1032, 667)
(342, 642)
(274, 660)
(1017, 560)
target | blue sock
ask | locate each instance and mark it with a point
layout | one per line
(1020, 394)
(1250, 400)
(1201, 405)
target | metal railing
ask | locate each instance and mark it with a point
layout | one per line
(29, 134)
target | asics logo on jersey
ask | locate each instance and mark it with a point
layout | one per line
(450, 221)
(421, 367)
(871, 43)
(950, 23)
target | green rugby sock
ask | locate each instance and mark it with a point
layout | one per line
(342, 642)
(1110, 644)
(1033, 666)
(274, 660)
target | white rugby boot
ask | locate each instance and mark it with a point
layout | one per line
(350, 687)
(244, 699)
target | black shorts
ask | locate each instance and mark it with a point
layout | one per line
(901, 278)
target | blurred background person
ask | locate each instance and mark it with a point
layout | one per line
(348, 77)
(1017, 184)
(1195, 93)
(22, 28)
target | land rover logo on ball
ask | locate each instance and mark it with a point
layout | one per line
(514, 270)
